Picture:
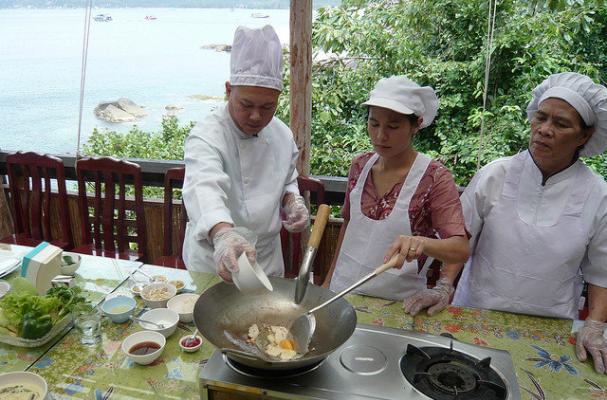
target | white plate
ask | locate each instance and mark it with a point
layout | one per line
(25, 378)
(8, 265)
(4, 288)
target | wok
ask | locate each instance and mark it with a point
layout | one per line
(223, 316)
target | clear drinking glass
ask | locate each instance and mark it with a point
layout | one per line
(88, 323)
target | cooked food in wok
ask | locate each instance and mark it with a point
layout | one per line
(275, 341)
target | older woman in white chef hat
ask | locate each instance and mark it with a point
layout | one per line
(398, 192)
(240, 167)
(538, 220)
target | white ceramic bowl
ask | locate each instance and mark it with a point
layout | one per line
(164, 316)
(156, 287)
(137, 287)
(250, 279)
(119, 308)
(4, 288)
(140, 337)
(190, 349)
(183, 304)
(25, 378)
(70, 269)
(179, 284)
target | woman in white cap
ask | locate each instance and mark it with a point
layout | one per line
(538, 220)
(397, 193)
(240, 167)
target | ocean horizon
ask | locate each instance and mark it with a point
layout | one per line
(154, 62)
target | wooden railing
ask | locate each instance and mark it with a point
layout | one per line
(153, 176)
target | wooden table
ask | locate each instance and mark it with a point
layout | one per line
(542, 349)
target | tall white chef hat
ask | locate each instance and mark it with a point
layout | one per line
(588, 98)
(401, 94)
(256, 58)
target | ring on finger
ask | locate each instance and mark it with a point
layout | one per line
(411, 248)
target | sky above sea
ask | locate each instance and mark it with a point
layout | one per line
(155, 63)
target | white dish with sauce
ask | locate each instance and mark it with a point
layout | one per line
(144, 347)
(22, 385)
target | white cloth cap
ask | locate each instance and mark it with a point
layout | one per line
(588, 98)
(400, 94)
(256, 58)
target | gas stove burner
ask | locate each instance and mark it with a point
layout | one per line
(446, 374)
(269, 374)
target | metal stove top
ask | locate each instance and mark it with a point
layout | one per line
(367, 366)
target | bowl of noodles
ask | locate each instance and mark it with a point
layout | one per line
(156, 295)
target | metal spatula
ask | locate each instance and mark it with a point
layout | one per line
(303, 327)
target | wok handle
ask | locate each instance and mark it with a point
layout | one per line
(322, 215)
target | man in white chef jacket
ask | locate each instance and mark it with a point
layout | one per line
(538, 220)
(240, 182)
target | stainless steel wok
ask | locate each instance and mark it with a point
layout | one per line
(223, 316)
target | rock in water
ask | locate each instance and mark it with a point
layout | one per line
(121, 110)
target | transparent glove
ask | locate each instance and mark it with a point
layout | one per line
(229, 244)
(296, 214)
(590, 339)
(436, 298)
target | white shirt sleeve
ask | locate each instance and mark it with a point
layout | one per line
(481, 195)
(594, 266)
(291, 182)
(205, 186)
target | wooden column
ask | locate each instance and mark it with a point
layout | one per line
(301, 79)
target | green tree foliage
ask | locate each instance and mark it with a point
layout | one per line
(442, 43)
(164, 145)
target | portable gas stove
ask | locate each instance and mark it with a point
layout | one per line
(375, 363)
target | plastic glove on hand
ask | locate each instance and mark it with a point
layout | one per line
(229, 245)
(296, 214)
(590, 340)
(436, 298)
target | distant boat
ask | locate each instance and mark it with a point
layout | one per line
(102, 17)
(150, 18)
(260, 15)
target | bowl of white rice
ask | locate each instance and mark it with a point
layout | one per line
(183, 304)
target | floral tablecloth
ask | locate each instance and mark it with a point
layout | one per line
(542, 350)
(97, 276)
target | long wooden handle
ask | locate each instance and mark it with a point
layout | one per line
(322, 216)
(396, 261)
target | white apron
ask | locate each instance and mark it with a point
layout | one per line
(366, 241)
(524, 268)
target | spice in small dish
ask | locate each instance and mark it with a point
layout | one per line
(190, 343)
(137, 288)
(178, 284)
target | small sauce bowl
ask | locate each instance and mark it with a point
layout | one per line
(119, 308)
(194, 344)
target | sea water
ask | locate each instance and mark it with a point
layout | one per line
(155, 63)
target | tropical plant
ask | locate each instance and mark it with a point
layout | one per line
(442, 43)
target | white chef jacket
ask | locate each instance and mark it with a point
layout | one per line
(239, 179)
(575, 199)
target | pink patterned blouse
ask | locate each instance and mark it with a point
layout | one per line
(434, 211)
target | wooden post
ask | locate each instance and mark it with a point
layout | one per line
(6, 220)
(301, 79)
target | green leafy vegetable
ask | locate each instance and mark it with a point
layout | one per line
(68, 260)
(31, 316)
